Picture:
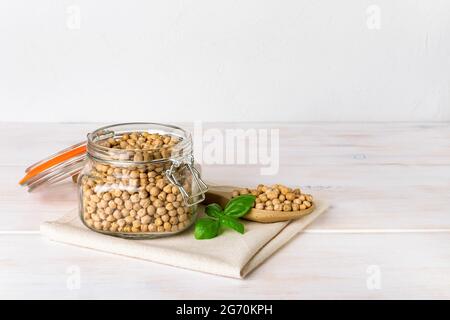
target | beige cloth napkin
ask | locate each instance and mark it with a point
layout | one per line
(230, 254)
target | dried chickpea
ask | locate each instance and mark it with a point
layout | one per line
(107, 196)
(151, 210)
(176, 204)
(162, 196)
(158, 203)
(102, 204)
(142, 212)
(160, 184)
(158, 222)
(167, 189)
(143, 194)
(173, 213)
(290, 196)
(117, 214)
(114, 227)
(136, 223)
(175, 190)
(146, 219)
(135, 198)
(112, 204)
(161, 211)
(144, 203)
(134, 174)
(272, 194)
(244, 191)
(129, 219)
(171, 197)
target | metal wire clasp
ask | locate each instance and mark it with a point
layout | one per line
(202, 188)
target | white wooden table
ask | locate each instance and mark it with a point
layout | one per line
(387, 234)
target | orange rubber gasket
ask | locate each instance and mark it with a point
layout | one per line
(53, 162)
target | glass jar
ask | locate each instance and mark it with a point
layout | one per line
(139, 181)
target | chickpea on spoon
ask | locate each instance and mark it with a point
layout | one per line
(272, 204)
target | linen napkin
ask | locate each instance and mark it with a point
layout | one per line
(230, 254)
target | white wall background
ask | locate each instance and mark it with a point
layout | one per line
(182, 60)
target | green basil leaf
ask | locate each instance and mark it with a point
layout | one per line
(213, 210)
(232, 223)
(206, 228)
(239, 206)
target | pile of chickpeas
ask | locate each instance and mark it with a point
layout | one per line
(277, 198)
(143, 146)
(135, 198)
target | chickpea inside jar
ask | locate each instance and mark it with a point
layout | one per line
(139, 181)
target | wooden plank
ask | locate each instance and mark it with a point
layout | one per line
(301, 144)
(327, 176)
(398, 198)
(374, 175)
(312, 266)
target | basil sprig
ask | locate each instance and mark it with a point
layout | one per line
(209, 227)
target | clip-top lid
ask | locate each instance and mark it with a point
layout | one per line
(56, 167)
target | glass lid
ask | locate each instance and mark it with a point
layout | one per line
(57, 167)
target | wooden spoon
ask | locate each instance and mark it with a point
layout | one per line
(222, 195)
